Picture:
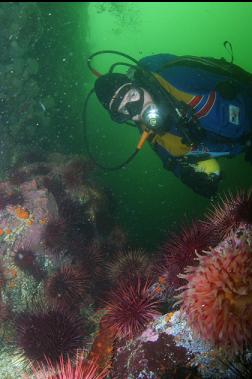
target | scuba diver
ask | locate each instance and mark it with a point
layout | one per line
(191, 110)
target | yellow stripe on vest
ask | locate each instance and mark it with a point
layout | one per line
(179, 95)
(173, 144)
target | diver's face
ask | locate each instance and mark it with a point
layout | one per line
(133, 103)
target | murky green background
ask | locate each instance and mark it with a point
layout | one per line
(149, 200)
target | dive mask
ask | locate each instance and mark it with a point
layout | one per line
(131, 108)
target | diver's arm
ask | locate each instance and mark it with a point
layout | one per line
(205, 184)
(200, 182)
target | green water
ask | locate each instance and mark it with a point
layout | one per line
(150, 202)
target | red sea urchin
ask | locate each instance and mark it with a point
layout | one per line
(217, 299)
(54, 235)
(67, 286)
(46, 335)
(131, 306)
(128, 265)
(229, 213)
(179, 252)
(80, 369)
(91, 260)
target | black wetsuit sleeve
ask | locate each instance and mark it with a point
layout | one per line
(203, 184)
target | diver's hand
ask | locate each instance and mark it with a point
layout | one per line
(200, 182)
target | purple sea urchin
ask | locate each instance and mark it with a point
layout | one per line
(67, 286)
(49, 334)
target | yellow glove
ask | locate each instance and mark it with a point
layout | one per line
(209, 166)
